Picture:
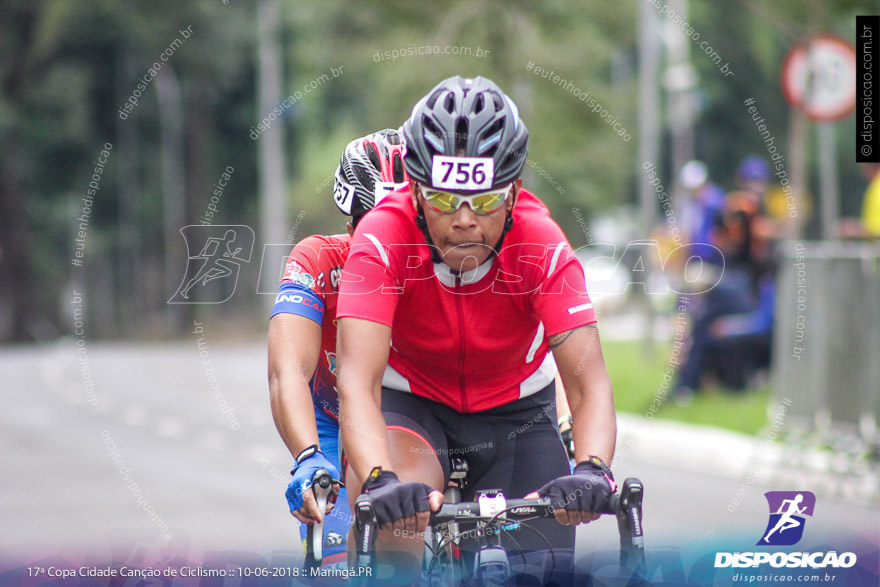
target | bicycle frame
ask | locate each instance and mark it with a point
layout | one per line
(441, 540)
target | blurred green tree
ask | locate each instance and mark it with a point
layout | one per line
(394, 51)
(67, 68)
(66, 72)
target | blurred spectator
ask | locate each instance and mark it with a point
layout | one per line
(753, 174)
(731, 335)
(871, 207)
(745, 232)
(732, 324)
(868, 226)
(702, 209)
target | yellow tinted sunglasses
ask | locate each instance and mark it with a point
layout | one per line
(482, 203)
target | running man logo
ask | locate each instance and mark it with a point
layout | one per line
(786, 524)
(221, 251)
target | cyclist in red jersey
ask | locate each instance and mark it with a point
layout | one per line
(302, 335)
(455, 292)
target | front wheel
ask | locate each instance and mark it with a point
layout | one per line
(442, 564)
(492, 567)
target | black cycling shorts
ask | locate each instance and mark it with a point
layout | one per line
(515, 447)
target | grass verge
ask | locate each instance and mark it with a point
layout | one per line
(639, 380)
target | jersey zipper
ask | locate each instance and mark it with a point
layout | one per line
(461, 338)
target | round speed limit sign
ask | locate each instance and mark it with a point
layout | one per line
(819, 77)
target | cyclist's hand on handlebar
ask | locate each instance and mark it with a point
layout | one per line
(300, 496)
(582, 496)
(404, 506)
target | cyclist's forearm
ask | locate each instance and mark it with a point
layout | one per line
(293, 349)
(594, 420)
(292, 410)
(563, 409)
(589, 392)
(594, 427)
(364, 437)
(362, 353)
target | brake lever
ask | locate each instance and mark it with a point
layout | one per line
(629, 524)
(321, 486)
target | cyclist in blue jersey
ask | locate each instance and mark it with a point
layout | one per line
(302, 338)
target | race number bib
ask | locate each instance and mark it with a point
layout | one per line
(463, 173)
(344, 196)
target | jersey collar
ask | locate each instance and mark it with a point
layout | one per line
(447, 277)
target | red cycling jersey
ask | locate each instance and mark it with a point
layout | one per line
(309, 288)
(472, 341)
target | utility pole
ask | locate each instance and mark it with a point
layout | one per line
(649, 133)
(173, 180)
(679, 81)
(271, 152)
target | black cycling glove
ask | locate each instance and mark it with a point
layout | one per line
(394, 500)
(589, 488)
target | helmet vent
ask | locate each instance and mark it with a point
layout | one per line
(449, 103)
(362, 175)
(373, 156)
(461, 136)
(479, 104)
(432, 135)
(493, 137)
(397, 168)
(432, 99)
(498, 102)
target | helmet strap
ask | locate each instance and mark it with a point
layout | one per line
(422, 223)
(508, 224)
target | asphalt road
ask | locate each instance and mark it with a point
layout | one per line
(124, 443)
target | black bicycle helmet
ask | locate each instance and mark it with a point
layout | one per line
(466, 117)
(368, 163)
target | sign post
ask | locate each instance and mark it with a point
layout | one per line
(819, 78)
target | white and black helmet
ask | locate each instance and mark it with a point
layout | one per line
(466, 117)
(370, 167)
